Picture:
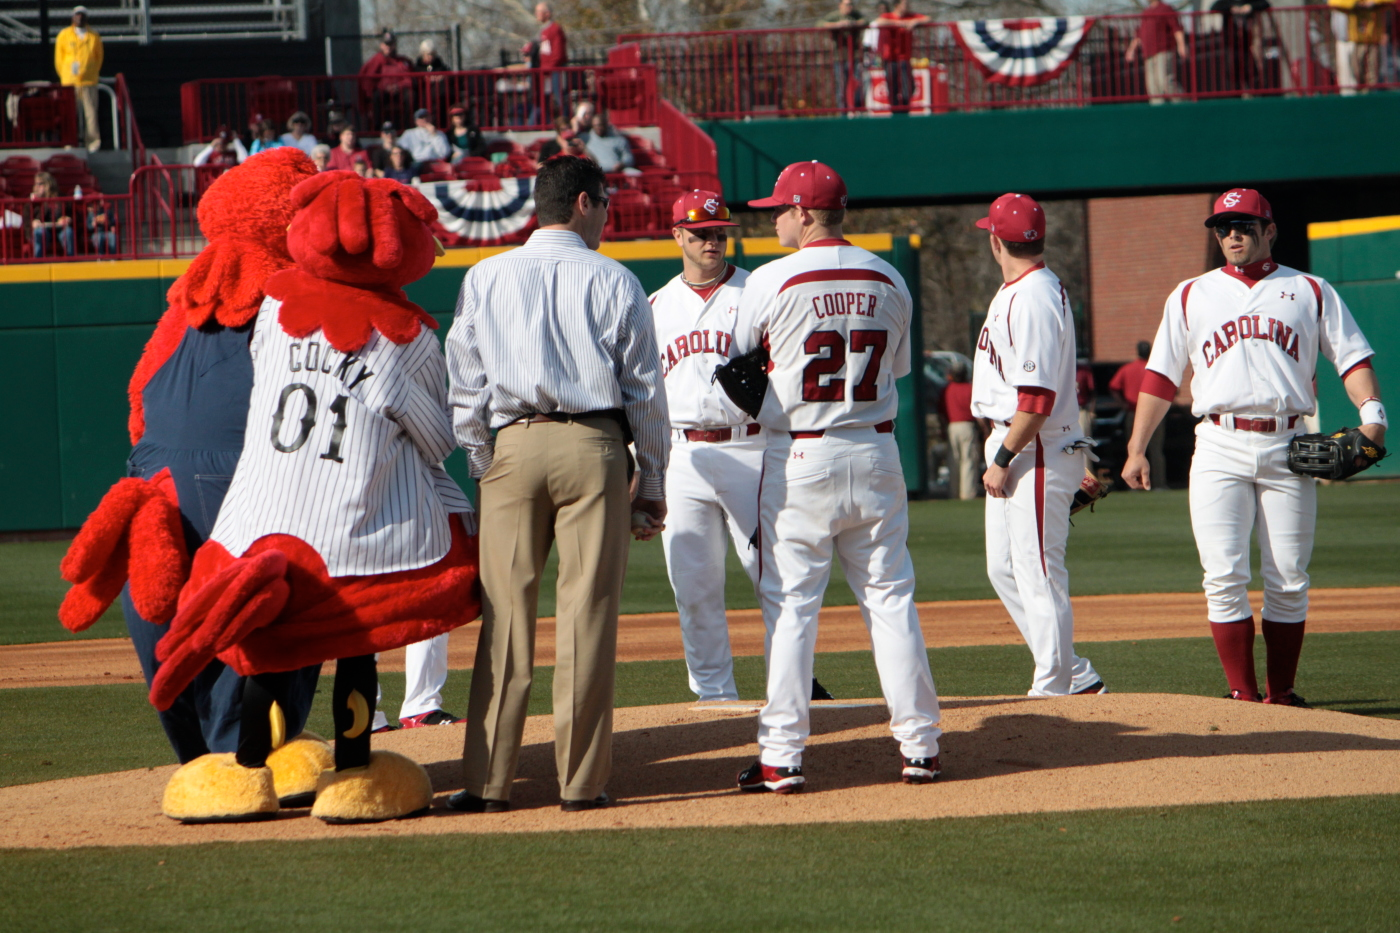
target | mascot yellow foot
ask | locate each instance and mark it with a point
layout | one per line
(390, 788)
(217, 789)
(297, 766)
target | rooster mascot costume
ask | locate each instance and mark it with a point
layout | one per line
(341, 534)
(189, 404)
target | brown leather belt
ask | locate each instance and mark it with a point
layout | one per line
(718, 435)
(564, 417)
(1263, 425)
(884, 427)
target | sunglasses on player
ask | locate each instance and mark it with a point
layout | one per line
(697, 214)
(1242, 227)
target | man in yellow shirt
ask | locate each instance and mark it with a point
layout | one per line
(77, 56)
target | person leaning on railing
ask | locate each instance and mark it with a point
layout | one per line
(846, 26)
(1159, 26)
(77, 56)
(52, 227)
(897, 50)
(389, 86)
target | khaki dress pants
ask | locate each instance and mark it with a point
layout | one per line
(564, 484)
(87, 103)
(962, 438)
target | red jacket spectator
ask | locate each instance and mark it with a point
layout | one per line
(956, 403)
(551, 49)
(388, 66)
(1157, 33)
(1084, 385)
(1127, 381)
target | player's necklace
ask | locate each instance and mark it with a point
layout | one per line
(707, 283)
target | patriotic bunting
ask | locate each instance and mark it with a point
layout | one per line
(1023, 52)
(482, 218)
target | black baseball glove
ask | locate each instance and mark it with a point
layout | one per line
(1333, 456)
(745, 380)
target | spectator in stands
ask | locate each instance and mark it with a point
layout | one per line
(336, 122)
(583, 117)
(264, 137)
(388, 84)
(1125, 386)
(1360, 30)
(361, 167)
(606, 146)
(102, 228)
(464, 135)
(1158, 28)
(428, 59)
(299, 133)
(52, 226)
(1244, 41)
(564, 141)
(425, 142)
(548, 51)
(348, 151)
(224, 149)
(77, 56)
(961, 429)
(846, 26)
(379, 155)
(321, 155)
(400, 166)
(1087, 396)
(897, 50)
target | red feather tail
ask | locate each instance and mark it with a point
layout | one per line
(244, 596)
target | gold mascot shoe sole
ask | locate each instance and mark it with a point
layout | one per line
(392, 787)
(217, 789)
(297, 766)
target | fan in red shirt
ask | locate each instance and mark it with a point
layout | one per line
(1158, 34)
(896, 49)
(550, 50)
(386, 80)
(1125, 385)
(955, 407)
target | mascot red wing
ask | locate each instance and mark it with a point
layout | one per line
(341, 534)
(189, 405)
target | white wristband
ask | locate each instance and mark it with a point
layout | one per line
(1373, 412)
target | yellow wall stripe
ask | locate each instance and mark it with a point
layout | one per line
(1335, 228)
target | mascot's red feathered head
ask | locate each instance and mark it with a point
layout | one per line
(244, 215)
(356, 243)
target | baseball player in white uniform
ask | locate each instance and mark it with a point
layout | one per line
(1023, 381)
(716, 449)
(1252, 332)
(425, 674)
(835, 320)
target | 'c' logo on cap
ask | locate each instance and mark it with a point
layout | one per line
(711, 206)
(1231, 199)
(797, 199)
(1031, 234)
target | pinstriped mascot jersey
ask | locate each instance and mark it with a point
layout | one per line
(835, 318)
(345, 451)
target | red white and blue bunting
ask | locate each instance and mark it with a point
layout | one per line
(1023, 52)
(482, 218)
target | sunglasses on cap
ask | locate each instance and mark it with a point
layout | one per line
(697, 214)
(1242, 227)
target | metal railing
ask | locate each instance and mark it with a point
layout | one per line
(796, 72)
(500, 98)
(146, 21)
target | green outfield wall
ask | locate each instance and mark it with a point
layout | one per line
(1362, 259)
(74, 332)
(1120, 148)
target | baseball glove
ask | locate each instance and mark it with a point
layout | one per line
(745, 380)
(1091, 490)
(1333, 456)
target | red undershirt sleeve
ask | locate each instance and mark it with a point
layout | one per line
(1364, 364)
(1157, 385)
(1035, 400)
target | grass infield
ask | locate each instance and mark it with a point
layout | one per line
(1301, 866)
(56, 732)
(1133, 543)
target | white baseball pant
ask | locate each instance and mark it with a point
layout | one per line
(845, 492)
(1240, 481)
(1026, 536)
(425, 674)
(709, 486)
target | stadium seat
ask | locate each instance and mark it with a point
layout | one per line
(475, 165)
(437, 171)
(483, 183)
(19, 164)
(508, 146)
(631, 214)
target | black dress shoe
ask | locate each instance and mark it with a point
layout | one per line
(471, 803)
(573, 806)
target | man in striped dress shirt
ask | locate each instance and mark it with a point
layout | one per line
(553, 347)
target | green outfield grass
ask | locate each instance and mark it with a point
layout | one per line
(56, 732)
(1134, 543)
(1299, 866)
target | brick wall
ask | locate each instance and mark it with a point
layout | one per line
(1139, 249)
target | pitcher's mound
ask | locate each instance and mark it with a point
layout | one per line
(674, 766)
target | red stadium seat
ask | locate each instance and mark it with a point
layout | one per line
(19, 164)
(484, 183)
(476, 165)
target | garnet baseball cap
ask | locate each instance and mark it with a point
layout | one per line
(1241, 203)
(698, 209)
(1015, 218)
(807, 184)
